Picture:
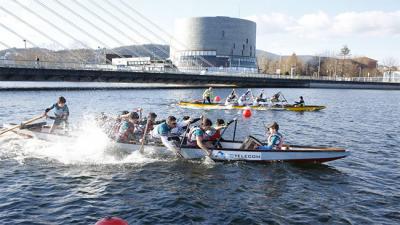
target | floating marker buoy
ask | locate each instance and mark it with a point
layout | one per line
(217, 99)
(111, 220)
(247, 113)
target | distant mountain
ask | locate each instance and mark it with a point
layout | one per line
(268, 55)
(85, 55)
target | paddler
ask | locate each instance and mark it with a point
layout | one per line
(300, 103)
(232, 98)
(207, 94)
(275, 139)
(149, 121)
(163, 131)
(197, 136)
(127, 128)
(246, 98)
(61, 114)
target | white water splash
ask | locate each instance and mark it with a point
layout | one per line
(89, 145)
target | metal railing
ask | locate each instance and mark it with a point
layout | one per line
(33, 64)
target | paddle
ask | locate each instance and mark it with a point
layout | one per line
(141, 149)
(184, 134)
(283, 97)
(22, 124)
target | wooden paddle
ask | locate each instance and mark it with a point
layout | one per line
(22, 124)
(141, 150)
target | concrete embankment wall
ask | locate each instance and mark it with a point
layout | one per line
(354, 85)
(175, 80)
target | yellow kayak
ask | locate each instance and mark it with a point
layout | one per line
(287, 107)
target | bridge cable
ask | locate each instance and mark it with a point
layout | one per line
(54, 26)
(113, 27)
(37, 30)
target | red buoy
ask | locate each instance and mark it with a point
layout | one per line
(247, 113)
(217, 99)
(111, 220)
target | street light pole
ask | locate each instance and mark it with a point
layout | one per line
(319, 64)
(24, 42)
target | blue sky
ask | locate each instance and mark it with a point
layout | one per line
(369, 28)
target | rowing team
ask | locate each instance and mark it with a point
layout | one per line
(129, 127)
(248, 98)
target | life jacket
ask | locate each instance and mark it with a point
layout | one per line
(215, 136)
(278, 145)
(191, 138)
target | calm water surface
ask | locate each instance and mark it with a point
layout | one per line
(80, 182)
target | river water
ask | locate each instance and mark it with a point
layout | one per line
(81, 182)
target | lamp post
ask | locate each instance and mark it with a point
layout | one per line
(319, 64)
(98, 54)
(24, 42)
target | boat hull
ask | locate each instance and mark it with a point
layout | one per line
(112, 145)
(231, 152)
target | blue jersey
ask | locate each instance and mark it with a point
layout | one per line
(163, 129)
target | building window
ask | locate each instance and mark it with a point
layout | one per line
(247, 40)
(223, 34)
(234, 45)
(243, 46)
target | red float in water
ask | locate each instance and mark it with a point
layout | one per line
(111, 220)
(217, 99)
(247, 113)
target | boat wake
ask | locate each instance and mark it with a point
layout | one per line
(89, 145)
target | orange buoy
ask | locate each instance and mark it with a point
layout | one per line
(111, 220)
(217, 99)
(247, 113)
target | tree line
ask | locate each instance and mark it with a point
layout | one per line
(340, 64)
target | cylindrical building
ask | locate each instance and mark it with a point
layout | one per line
(214, 43)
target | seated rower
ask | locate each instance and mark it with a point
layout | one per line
(246, 99)
(275, 97)
(197, 136)
(275, 139)
(162, 131)
(232, 98)
(61, 114)
(300, 103)
(149, 121)
(127, 128)
(259, 99)
(214, 134)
